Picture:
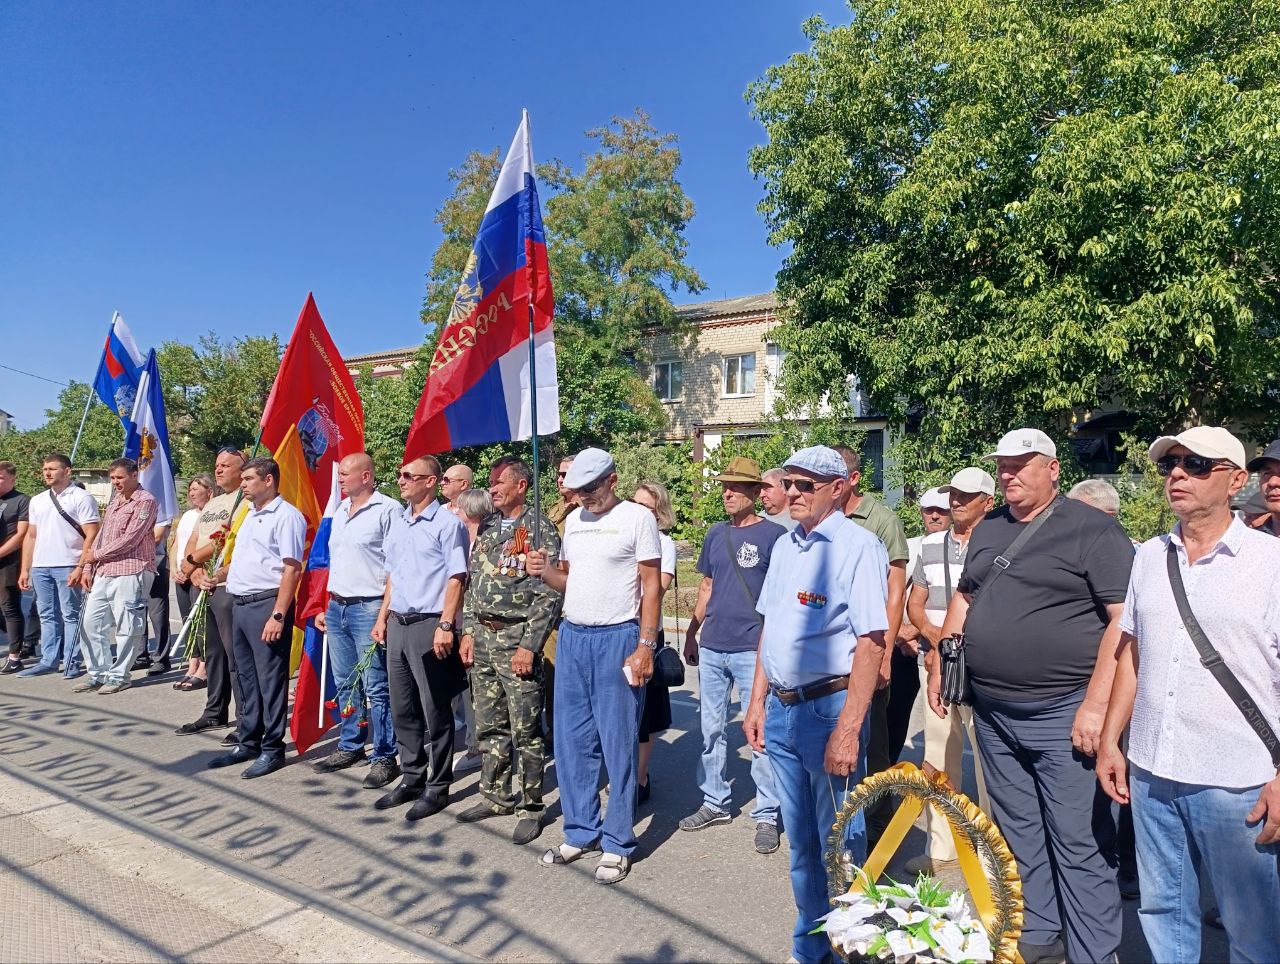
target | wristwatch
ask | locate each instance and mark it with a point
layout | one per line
(446, 625)
(278, 616)
(651, 643)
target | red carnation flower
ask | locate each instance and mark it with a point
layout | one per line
(330, 704)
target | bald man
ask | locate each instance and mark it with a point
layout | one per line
(357, 578)
(456, 480)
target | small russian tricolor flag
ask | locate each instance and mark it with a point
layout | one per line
(477, 389)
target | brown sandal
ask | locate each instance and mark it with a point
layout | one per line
(182, 683)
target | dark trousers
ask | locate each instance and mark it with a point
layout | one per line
(11, 610)
(186, 594)
(422, 690)
(220, 660)
(263, 671)
(1042, 791)
(904, 686)
(158, 609)
(878, 760)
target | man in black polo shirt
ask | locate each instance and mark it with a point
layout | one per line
(1032, 644)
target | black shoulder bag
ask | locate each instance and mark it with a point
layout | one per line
(668, 667)
(63, 512)
(1211, 660)
(955, 674)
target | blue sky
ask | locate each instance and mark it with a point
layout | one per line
(203, 166)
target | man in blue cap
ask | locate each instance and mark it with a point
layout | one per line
(823, 602)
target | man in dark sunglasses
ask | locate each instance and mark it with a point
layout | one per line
(1201, 767)
(1267, 465)
(821, 646)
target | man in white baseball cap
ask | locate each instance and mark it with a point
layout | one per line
(970, 496)
(1207, 441)
(1040, 628)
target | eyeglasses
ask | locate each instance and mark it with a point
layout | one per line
(561, 475)
(1197, 465)
(410, 477)
(804, 486)
(447, 479)
(931, 509)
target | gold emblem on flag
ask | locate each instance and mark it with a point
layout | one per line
(147, 448)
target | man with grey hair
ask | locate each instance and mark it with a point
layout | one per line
(1099, 493)
(774, 499)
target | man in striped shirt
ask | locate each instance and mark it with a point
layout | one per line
(971, 493)
(122, 565)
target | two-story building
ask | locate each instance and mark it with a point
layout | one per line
(720, 381)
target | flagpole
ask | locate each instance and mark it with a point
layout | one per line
(533, 412)
(88, 402)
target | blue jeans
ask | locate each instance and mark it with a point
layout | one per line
(796, 738)
(597, 718)
(347, 630)
(59, 608)
(718, 674)
(1183, 829)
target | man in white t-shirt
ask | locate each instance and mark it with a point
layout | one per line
(64, 518)
(608, 572)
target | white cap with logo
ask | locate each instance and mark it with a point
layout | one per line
(971, 480)
(1024, 441)
(1208, 440)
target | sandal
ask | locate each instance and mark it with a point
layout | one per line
(566, 854)
(196, 683)
(612, 868)
(181, 684)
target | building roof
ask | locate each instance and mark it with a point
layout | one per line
(387, 355)
(728, 307)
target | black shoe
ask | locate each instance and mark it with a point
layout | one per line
(231, 759)
(397, 798)
(160, 668)
(262, 766)
(199, 726)
(527, 829)
(229, 740)
(340, 760)
(1213, 917)
(1054, 953)
(11, 665)
(483, 811)
(642, 793)
(142, 662)
(426, 806)
(382, 772)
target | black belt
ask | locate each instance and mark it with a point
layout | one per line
(254, 597)
(498, 623)
(803, 694)
(352, 600)
(408, 619)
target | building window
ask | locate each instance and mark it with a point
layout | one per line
(740, 375)
(668, 380)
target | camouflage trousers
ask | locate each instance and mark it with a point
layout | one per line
(508, 712)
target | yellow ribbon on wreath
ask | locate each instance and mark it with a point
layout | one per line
(988, 866)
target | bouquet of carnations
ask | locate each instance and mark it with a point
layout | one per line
(355, 689)
(197, 623)
(904, 923)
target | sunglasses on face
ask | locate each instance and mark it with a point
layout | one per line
(592, 486)
(803, 486)
(1196, 465)
(561, 475)
(410, 477)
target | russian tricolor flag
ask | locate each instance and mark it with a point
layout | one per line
(478, 387)
(119, 371)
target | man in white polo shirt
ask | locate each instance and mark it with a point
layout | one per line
(64, 519)
(970, 495)
(1203, 768)
(608, 572)
(357, 581)
(261, 582)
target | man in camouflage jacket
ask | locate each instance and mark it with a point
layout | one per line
(506, 617)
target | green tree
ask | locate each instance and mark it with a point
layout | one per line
(102, 441)
(1002, 212)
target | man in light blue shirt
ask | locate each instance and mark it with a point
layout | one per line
(426, 555)
(823, 602)
(357, 583)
